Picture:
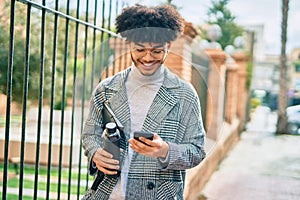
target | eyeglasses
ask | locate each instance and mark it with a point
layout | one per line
(156, 53)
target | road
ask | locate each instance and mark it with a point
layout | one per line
(262, 166)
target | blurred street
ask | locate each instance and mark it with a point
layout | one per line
(261, 166)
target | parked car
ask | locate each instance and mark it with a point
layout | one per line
(293, 115)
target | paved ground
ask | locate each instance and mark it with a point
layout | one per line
(262, 166)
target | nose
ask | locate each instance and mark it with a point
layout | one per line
(148, 56)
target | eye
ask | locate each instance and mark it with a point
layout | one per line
(157, 51)
(141, 50)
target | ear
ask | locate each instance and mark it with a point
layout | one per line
(169, 45)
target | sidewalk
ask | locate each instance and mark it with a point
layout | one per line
(261, 166)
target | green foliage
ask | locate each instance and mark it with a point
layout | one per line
(249, 75)
(255, 102)
(64, 57)
(221, 15)
(19, 59)
(29, 171)
(297, 66)
(58, 105)
(15, 196)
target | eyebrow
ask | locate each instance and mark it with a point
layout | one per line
(157, 46)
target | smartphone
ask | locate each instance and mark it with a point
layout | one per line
(147, 135)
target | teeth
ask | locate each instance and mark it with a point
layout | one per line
(148, 64)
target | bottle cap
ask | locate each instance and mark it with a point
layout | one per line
(111, 127)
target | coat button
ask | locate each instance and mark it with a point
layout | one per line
(150, 185)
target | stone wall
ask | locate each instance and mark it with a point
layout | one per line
(226, 116)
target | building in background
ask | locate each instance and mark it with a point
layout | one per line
(294, 88)
(265, 75)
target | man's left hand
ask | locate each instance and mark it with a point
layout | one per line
(156, 148)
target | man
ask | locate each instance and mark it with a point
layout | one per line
(146, 97)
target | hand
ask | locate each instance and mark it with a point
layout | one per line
(105, 162)
(156, 148)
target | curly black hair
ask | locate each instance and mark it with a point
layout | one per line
(159, 24)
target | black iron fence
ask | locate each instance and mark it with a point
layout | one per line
(53, 55)
(53, 50)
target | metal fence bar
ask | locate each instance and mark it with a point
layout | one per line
(52, 101)
(84, 72)
(73, 110)
(115, 41)
(9, 96)
(107, 44)
(73, 114)
(90, 41)
(94, 46)
(109, 16)
(101, 40)
(200, 81)
(63, 100)
(74, 89)
(41, 95)
(25, 95)
(34, 4)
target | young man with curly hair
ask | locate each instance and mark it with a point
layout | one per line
(146, 97)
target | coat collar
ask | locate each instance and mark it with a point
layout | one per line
(117, 82)
(164, 101)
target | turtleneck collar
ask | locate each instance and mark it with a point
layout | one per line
(136, 76)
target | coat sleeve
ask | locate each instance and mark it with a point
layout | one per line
(92, 131)
(190, 151)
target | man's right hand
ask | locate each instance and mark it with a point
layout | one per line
(105, 162)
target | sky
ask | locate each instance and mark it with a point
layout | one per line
(254, 12)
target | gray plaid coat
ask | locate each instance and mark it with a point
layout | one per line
(174, 114)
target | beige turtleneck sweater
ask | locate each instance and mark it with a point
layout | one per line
(141, 91)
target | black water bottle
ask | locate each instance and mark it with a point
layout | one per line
(112, 143)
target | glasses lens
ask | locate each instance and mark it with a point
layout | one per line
(155, 53)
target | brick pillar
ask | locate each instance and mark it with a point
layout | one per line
(241, 60)
(179, 59)
(216, 90)
(122, 58)
(231, 91)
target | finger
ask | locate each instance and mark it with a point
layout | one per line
(104, 153)
(145, 141)
(136, 144)
(140, 147)
(110, 164)
(107, 171)
(156, 136)
(108, 160)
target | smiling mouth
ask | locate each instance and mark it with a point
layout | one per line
(149, 64)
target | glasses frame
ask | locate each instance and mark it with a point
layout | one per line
(156, 53)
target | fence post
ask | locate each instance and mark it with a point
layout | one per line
(231, 91)
(216, 90)
(241, 60)
(179, 59)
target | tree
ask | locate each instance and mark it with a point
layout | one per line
(34, 60)
(19, 58)
(221, 15)
(282, 97)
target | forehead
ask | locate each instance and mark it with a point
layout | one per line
(148, 45)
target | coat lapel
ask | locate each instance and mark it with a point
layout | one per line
(163, 102)
(117, 99)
